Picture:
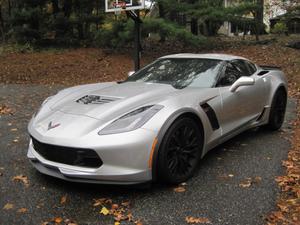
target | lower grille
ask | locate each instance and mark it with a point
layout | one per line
(66, 155)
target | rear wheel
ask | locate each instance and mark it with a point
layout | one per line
(180, 151)
(277, 111)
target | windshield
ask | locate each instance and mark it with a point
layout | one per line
(180, 72)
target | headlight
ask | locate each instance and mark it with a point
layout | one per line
(131, 121)
(44, 102)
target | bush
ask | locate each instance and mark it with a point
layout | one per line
(26, 25)
(279, 28)
(115, 34)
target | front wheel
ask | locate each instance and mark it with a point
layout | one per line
(277, 111)
(180, 151)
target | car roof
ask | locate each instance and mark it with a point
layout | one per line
(224, 57)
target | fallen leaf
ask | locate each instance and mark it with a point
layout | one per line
(179, 189)
(130, 217)
(195, 220)
(58, 220)
(22, 178)
(100, 201)
(4, 110)
(104, 211)
(8, 206)
(126, 204)
(63, 199)
(117, 223)
(245, 184)
(22, 210)
(138, 222)
(114, 206)
(257, 180)
(70, 222)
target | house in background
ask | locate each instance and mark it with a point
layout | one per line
(292, 22)
(272, 9)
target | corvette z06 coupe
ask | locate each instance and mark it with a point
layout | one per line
(158, 123)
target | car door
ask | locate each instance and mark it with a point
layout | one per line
(246, 103)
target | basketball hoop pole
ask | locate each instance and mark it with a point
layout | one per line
(135, 16)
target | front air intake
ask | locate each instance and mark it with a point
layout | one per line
(66, 155)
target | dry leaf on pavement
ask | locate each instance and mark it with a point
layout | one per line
(8, 206)
(196, 220)
(104, 211)
(22, 178)
(58, 220)
(125, 204)
(63, 199)
(114, 206)
(179, 189)
(22, 210)
(246, 183)
(4, 110)
(138, 222)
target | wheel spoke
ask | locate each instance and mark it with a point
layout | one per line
(182, 150)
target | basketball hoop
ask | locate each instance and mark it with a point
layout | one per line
(123, 5)
(119, 5)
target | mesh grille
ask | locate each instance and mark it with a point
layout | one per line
(70, 156)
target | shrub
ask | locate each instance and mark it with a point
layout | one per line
(115, 34)
(279, 28)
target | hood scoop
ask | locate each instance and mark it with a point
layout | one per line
(96, 99)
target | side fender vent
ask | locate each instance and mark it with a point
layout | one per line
(261, 73)
(212, 117)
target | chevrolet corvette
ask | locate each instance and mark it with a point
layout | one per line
(158, 123)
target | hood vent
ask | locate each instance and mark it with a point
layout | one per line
(95, 99)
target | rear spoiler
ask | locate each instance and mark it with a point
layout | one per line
(265, 67)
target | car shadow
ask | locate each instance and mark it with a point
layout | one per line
(226, 150)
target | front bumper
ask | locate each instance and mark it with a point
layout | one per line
(125, 158)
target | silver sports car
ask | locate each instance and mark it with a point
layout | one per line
(158, 123)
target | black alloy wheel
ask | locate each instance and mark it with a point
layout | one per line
(278, 109)
(180, 151)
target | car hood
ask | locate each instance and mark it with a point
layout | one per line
(110, 100)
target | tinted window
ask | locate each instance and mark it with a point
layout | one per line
(180, 72)
(230, 75)
(251, 66)
(241, 66)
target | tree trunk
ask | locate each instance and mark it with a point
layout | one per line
(162, 14)
(259, 19)
(67, 8)
(194, 26)
(9, 8)
(55, 6)
(1, 23)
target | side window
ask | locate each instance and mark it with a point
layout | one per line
(251, 66)
(230, 75)
(241, 66)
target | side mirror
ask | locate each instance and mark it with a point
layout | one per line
(130, 73)
(242, 81)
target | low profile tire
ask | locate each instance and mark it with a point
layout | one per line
(180, 151)
(277, 111)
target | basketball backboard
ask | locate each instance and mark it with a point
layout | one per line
(120, 5)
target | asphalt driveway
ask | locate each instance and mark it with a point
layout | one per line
(215, 192)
